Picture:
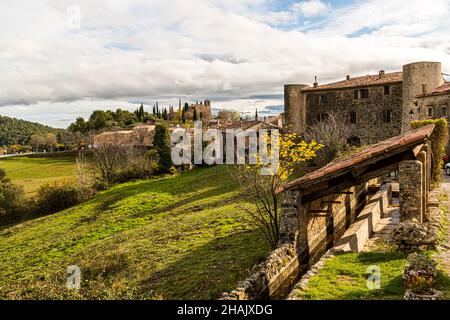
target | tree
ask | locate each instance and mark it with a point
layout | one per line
(332, 133)
(186, 107)
(50, 141)
(161, 142)
(36, 142)
(99, 119)
(262, 189)
(194, 117)
(183, 116)
(256, 114)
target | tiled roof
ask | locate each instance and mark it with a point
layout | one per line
(444, 89)
(368, 80)
(379, 150)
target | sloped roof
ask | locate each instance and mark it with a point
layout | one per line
(444, 89)
(380, 150)
(368, 80)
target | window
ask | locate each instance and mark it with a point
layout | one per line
(387, 116)
(444, 111)
(361, 94)
(364, 93)
(430, 112)
(318, 117)
(387, 90)
(323, 98)
(352, 116)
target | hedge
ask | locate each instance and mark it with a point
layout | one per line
(439, 141)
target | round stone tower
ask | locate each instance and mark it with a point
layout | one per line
(295, 107)
(418, 78)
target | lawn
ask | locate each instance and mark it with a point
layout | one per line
(176, 237)
(32, 172)
(344, 277)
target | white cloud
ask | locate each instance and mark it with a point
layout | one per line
(310, 8)
(136, 49)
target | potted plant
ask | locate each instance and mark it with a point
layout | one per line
(420, 278)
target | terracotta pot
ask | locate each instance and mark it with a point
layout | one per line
(436, 295)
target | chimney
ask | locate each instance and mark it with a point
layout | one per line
(348, 77)
(381, 73)
(316, 84)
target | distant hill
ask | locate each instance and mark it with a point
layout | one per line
(17, 131)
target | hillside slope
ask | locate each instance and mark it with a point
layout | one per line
(14, 130)
(176, 237)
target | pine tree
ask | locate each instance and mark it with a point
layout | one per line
(186, 107)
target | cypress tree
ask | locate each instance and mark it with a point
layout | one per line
(256, 114)
(162, 145)
(195, 115)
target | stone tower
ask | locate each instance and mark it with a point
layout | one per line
(295, 107)
(418, 78)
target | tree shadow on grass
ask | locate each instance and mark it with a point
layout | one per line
(207, 271)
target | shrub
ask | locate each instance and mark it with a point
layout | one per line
(11, 197)
(59, 195)
(438, 144)
(420, 274)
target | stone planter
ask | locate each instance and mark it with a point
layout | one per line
(436, 295)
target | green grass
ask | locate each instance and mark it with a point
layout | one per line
(31, 173)
(175, 237)
(344, 277)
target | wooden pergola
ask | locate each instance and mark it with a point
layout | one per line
(374, 161)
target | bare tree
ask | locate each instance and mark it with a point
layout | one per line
(332, 132)
(108, 158)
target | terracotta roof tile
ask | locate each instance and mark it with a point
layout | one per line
(369, 80)
(380, 149)
(444, 89)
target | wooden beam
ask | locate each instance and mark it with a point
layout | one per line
(347, 183)
(332, 202)
(344, 192)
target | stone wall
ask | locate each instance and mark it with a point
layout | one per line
(306, 236)
(369, 127)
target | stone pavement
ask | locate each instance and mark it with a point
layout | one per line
(385, 226)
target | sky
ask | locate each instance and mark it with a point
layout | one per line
(63, 59)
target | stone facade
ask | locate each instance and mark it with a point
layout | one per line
(139, 136)
(374, 107)
(203, 110)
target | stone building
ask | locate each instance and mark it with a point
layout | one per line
(203, 110)
(374, 107)
(139, 136)
(434, 104)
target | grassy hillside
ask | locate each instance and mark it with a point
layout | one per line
(175, 237)
(19, 131)
(32, 172)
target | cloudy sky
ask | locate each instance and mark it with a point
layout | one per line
(60, 59)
